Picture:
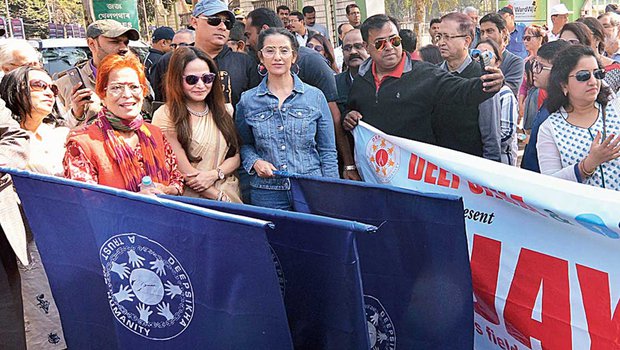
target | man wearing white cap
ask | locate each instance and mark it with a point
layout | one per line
(559, 17)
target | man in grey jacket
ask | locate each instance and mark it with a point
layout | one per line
(469, 129)
(13, 153)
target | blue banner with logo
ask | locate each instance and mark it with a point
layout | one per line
(415, 269)
(134, 272)
(318, 266)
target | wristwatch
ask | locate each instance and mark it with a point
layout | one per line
(220, 174)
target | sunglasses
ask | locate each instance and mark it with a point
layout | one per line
(174, 46)
(215, 21)
(585, 75)
(317, 47)
(394, 41)
(40, 85)
(530, 37)
(572, 41)
(206, 78)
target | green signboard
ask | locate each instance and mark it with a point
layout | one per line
(123, 11)
(527, 11)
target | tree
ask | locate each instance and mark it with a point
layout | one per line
(35, 20)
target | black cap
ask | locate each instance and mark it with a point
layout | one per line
(507, 10)
(163, 33)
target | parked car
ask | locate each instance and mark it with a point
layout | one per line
(60, 54)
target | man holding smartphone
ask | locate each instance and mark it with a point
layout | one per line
(76, 88)
(475, 131)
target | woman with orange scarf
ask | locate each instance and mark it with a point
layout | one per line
(119, 148)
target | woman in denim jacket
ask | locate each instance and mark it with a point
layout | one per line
(284, 125)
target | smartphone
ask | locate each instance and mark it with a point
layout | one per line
(75, 77)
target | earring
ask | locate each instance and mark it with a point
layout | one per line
(262, 70)
(295, 69)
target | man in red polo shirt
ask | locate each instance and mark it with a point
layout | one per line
(398, 95)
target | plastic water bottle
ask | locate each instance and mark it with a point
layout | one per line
(147, 182)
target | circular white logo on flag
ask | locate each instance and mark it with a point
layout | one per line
(149, 291)
(383, 157)
(381, 330)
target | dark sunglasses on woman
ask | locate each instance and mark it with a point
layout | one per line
(206, 78)
(394, 41)
(215, 21)
(317, 47)
(585, 75)
(40, 85)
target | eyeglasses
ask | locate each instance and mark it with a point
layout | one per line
(215, 21)
(530, 37)
(572, 41)
(206, 78)
(270, 51)
(447, 37)
(349, 47)
(585, 75)
(174, 46)
(317, 47)
(538, 67)
(394, 40)
(40, 85)
(115, 90)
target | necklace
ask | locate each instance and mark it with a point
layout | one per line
(199, 114)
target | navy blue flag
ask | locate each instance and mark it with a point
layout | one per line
(134, 272)
(317, 262)
(415, 270)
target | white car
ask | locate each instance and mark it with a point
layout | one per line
(61, 54)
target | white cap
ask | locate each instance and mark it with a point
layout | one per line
(560, 9)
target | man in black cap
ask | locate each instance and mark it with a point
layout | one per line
(162, 38)
(213, 21)
(104, 37)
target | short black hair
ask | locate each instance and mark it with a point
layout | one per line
(549, 51)
(283, 7)
(237, 32)
(376, 22)
(433, 21)
(409, 39)
(431, 54)
(496, 19)
(349, 7)
(264, 16)
(299, 15)
(308, 9)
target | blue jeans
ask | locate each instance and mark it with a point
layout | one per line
(274, 199)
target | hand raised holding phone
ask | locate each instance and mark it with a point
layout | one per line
(80, 95)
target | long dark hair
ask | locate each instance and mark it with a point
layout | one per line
(328, 49)
(177, 107)
(597, 31)
(581, 31)
(564, 63)
(15, 91)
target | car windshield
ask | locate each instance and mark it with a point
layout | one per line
(58, 59)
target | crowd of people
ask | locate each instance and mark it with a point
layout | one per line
(214, 111)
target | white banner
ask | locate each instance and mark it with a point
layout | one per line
(545, 252)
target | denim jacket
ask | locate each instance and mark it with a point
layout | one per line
(297, 138)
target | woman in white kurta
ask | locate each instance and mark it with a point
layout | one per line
(30, 95)
(579, 142)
